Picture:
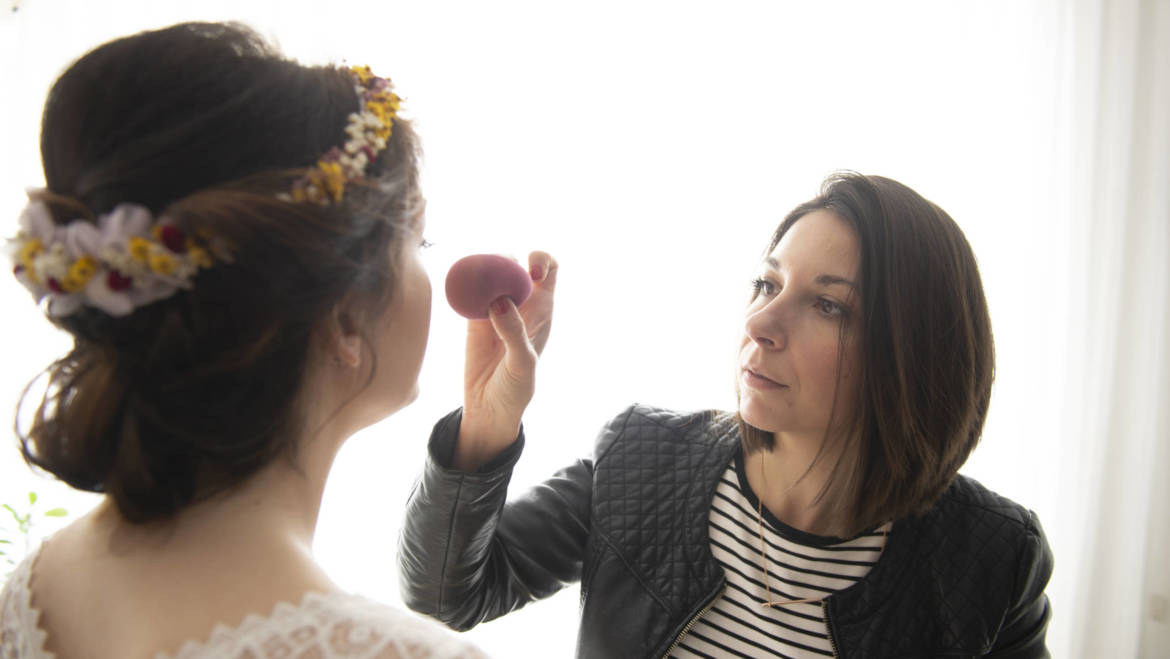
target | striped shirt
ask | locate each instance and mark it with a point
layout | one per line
(800, 566)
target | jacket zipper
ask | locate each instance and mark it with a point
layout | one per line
(685, 630)
(829, 628)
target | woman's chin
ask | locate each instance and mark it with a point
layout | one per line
(756, 417)
(410, 397)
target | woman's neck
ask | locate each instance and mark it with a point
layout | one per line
(213, 563)
(268, 520)
(789, 480)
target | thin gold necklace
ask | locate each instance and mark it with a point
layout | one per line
(764, 555)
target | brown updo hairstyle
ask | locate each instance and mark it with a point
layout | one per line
(926, 352)
(205, 123)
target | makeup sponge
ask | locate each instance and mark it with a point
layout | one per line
(475, 281)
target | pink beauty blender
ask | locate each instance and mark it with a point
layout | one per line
(475, 281)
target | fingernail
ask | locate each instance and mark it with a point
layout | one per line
(500, 305)
(537, 272)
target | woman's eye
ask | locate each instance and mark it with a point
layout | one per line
(761, 285)
(829, 307)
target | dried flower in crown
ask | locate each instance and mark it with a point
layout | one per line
(120, 263)
(366, 131)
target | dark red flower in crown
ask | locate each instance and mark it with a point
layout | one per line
(172, 238)
(116, 281)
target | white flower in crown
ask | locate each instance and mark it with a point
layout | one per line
(120, 263)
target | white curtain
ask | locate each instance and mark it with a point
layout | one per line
(1114, 524)
(670, 137)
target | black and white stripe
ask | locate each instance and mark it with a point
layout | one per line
(800, 566)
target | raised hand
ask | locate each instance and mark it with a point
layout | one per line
(500, 369)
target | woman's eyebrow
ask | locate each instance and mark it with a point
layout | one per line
(833, 280)
(823, 280)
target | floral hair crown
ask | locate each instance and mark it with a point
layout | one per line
(123, 261)
(127, 259)
(368, 129)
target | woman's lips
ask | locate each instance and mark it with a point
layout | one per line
(757, 381)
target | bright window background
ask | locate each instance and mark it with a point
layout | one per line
(652, 147)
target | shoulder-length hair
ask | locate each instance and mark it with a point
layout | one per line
(926, 351)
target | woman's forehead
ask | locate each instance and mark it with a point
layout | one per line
(821, 242)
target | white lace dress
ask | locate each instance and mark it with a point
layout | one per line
(322, 626)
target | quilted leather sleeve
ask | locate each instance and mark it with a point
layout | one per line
(466, 556)
(1022, 636)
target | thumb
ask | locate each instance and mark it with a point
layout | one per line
(509, 326)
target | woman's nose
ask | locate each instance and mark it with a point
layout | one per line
(766, 326)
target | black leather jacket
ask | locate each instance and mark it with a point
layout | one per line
(965, 579)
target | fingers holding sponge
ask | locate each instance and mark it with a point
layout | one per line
(475, 281)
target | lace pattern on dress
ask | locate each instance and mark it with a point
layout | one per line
(21, 636)
(322, 626)
(331, 626)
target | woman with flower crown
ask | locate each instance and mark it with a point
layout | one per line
(823, 518)
(231, 239)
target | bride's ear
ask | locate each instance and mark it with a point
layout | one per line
(343, 340)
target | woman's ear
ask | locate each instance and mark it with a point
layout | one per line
(345, 342)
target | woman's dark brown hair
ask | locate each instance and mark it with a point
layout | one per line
(205, 123)
(927, 356)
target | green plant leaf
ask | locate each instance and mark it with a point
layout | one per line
(32, 498)
(15, 515)
(56, 512)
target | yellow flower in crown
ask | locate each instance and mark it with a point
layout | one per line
(139, 249)
(380, 110)
(384, 97)
(161, 262)
(363, 73)
(26, 256)
(79, 274)
(312, 189)
(199, 256)
(385, 112)
(332, 179)
(30, 249)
